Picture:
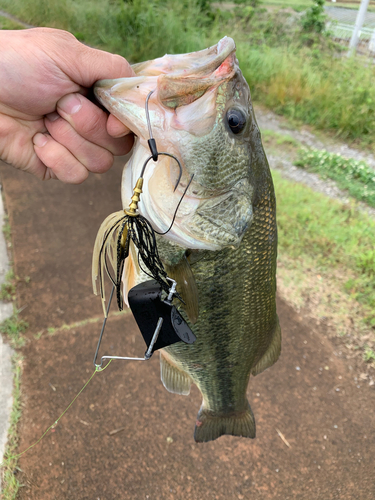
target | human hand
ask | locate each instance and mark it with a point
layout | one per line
(47, 125)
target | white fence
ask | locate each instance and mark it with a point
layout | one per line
(341, 25)
(343, 32)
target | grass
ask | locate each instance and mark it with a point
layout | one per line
(273, 140)
(297, 5)
(7, 231)
(332, 235)
(300, 5)
(13, 328)
(10, 483)
(294, 73)
(9, 24)
(355, 176)
(317, 88)
(8, 288)
(139, 30)
(369, 354)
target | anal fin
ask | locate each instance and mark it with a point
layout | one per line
(273, 352)
(174, 379)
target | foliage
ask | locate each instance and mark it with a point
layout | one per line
(369, 354)
(13, 327)
(333, 234)
(355, 176)
(9, 24)
(251, 3)
(151, 29)
(314, 20)
(290, 64)
(8, 288)
(314, 87)
(136, 29)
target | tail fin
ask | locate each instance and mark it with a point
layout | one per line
(210, 426)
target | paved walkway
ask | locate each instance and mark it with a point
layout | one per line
(6, 377)
(126, 437)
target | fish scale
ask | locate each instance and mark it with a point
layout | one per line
(246, 294)
(221, 249)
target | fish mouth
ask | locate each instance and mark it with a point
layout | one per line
(176, 80)
(198, 63)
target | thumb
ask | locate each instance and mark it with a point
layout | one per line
(93, 64)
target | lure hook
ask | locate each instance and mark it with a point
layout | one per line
(152, 145)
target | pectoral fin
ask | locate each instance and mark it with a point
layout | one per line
(174, 379)
(186, 287)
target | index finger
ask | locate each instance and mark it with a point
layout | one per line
(90, 122)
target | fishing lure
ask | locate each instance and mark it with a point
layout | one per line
(112, 245)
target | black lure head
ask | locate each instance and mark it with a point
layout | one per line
(147, 307)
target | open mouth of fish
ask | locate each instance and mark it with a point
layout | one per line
(182, 108)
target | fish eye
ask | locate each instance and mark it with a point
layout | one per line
(236, 120)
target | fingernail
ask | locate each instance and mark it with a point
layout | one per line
(70, 104)
(52, 117)
(40, 140)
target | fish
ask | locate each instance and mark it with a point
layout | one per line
(222, 246)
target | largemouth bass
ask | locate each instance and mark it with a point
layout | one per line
(222, 247)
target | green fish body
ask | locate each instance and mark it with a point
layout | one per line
(222, 247)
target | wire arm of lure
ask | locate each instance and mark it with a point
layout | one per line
(148, 353)
(150, 350)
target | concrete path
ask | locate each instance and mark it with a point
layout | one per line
(6, 376)
(126, 437)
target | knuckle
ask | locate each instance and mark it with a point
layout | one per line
(103, 162)
(66, 168)
(60, 130)
(91, 127)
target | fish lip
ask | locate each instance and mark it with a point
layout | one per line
(211, 61)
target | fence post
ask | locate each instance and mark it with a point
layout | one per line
(358, 26)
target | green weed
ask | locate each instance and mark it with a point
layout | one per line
(13, 328)
(369, 354)
(315, 87)
(8, 288)
(7, 230)
(314, 19)
(271, 138)
(355, 176)
(331, 234)
(294, 72)
(9, 24)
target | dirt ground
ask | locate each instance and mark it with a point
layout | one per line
(315, 418)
